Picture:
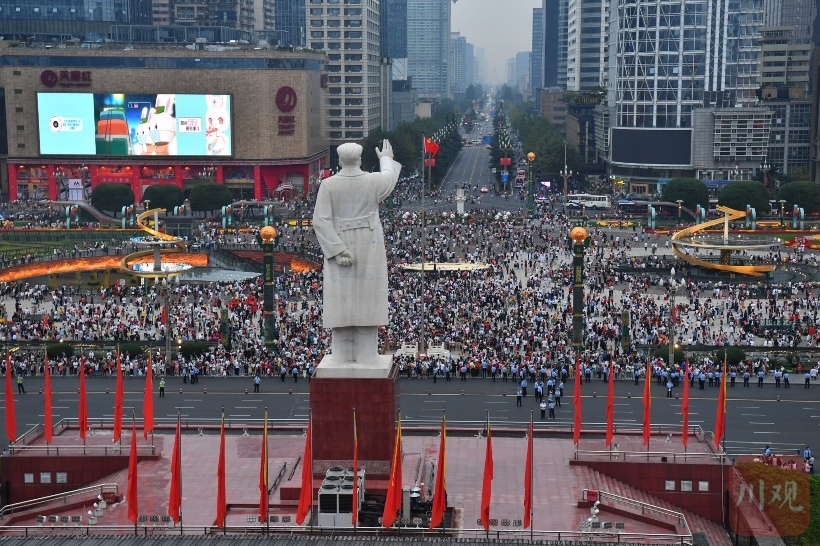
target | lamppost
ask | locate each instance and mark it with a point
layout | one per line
(530, 189)
(578, 243)
(679, 202)
(565, 174)
(267, 239)
(782, 202)
(735, 173)
(765, 168)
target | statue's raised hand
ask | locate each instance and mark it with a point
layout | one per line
(386, 151)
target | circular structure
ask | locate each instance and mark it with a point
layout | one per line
(268, 233)
(578, 235)
(725, 243)
(531, 156)
(140, 263)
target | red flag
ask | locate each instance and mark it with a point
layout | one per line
(528, 479)
(430, 147)
(148, 400)
(11, 421)
(118, 401)
(263, 473)
(684, 406)
(83, 410)
(576, 401)
(164, 316)
(175, 498)
(720, 418)
(355, 512)
(647, 403)
(47, 425)
(306, 495)
(487, 487)
(439, 502)
(221, 502)
(392, 504)
(131, 494)
(610, 405)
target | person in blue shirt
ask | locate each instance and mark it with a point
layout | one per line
(777, 375)
(786, 380)
(746, 376)
(807, 453)
(760, 376)
(807, 384)
(702, 380)
(767, 453)
(732, 377)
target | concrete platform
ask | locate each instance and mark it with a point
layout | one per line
(329, 368)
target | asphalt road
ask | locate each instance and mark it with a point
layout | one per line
(754, 417)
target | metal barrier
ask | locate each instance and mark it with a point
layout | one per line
(644, 506)
(103, 488)
(625, 455)
(393, 532)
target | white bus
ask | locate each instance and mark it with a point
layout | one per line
(594, 202)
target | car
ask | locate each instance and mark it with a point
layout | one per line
(488, 147)
(485, 189)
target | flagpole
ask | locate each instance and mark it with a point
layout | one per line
(422, 350)
(179, 468)
(355, 504)
(133, 434)
(267, 490)
(310, 428)
(487, 530)
(532, 453)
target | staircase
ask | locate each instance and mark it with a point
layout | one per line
(592, 479)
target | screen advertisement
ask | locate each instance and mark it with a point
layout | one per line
(98, 124)
(644, 146)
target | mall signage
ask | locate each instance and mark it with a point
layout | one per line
(286, 103)
(66, 78)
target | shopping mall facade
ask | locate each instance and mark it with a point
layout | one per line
(89, 114)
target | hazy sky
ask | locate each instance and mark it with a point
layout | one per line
(502, 27)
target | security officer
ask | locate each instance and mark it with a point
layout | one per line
(746, 376)
(22, 390)
(543, 407)
(256, 382)
(552, 409)
(162, 387)
(807, 384)
(732, 377)
(786, 380)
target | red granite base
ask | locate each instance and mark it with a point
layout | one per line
(375, 400)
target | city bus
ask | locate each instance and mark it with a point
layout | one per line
(595, 202)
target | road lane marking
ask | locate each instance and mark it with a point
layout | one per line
(244, 407)
(232, 416)
(757, 423)
(758, 415)
(758, 432)
(751, 407)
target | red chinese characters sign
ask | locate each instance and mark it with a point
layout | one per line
(66, 78)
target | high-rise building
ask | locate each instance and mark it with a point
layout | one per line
(798, 15)
(784, 86)
(291, 17)
(512, 77)
(428, 47)
(668, 60)
(522, 64)
(458, 63)
(549, 55)
(470, 64)
(537, 58)
(586, 24)
(350, 36)
(393, 28)
(563, 20)
(90, 21)
(481, 75)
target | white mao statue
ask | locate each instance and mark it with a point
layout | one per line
(346, 221)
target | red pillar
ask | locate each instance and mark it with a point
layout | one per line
(220, 175)
(52, 183)
(306, 181)
(94, 175)
(257, 182)
(12, 181)
(178, 176)
(136, 184)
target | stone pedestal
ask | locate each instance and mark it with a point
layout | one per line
(335, 390)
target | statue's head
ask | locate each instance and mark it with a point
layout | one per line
(350, 155)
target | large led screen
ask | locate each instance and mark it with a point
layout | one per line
(644, 146)
(150, 125)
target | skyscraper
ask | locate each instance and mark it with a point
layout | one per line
(458, 63)
(799, 15)
(428, 46)
(537, 58)
(354, 75)
(563, 20)
(470, 64)
(549, 13)
(481, 75)
(393, 28)
(291, 18)
(586, 22)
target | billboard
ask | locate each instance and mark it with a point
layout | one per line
(101, 124)
(645, 146)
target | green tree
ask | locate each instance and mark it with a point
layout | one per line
(733, 355)
(112, 197)
(57, 350)
(802, 194)
(736, 195)
(164, 196)
(210, 197)
(663, 354)
(691, 191)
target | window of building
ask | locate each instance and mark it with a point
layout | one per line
(334, 34)
(28, 477)
(334, 23)
(353, 34)
(353, 23)
(62, 477)
(317, 34)
(703, 486)
(316, 11)
(354, 134)
(669, 485)
(334, 46)
(317, 23)
(45, 477)
(686, 485)
(317, 45)
(335, 134)
(334, 11)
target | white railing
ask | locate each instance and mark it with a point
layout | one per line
(100, 489)
(644, 507)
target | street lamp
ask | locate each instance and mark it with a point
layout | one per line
(735, 173)
(679, 202)
(765, 168)
(673, 288)
(530, 194)
(565, 174)
(782, 202)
